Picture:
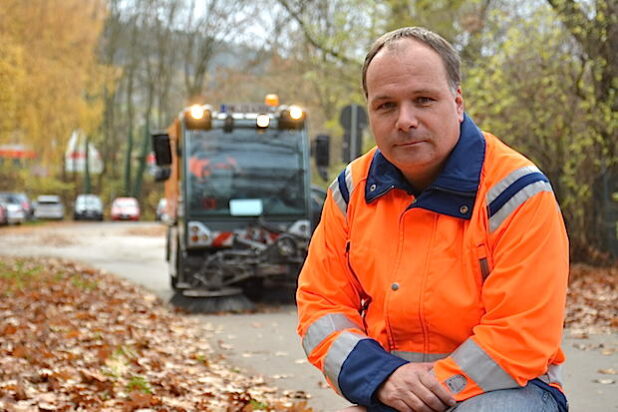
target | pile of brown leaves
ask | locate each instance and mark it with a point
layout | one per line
(75, 339)
(592, 301)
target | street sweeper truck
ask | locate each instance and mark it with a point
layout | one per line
(239, 199)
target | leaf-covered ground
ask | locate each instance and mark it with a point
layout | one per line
(75, 339)
(592, 302)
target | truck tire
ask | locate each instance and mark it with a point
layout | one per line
(254, 288)
(185, 267)
(173, 255)
(168, 236)
(174, 279)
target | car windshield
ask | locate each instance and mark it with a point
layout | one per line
(48, 200)
(88, 201)
(22, 197)
(8, 198)
(246, 165)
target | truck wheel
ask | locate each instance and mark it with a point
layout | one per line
(185, 268)
(168, 236)
(174, 283)
(174, 279)
(254, 288)
(173, 259)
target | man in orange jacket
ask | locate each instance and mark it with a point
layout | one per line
(437, 276)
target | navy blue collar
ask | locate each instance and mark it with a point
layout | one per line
(453, 192)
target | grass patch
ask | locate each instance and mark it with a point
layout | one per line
(139, 383)
(34, 223)
(84, 284)
(257, 405)
(17, 275)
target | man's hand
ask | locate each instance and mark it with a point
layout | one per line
(412, 388)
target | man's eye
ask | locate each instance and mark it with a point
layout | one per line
(424, 100)
(386, 106)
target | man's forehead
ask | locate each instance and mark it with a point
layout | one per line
(411, 50)
(417, 59)
(404, 44)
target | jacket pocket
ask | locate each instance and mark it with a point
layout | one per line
(483, 261)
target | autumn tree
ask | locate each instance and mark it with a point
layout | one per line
(49, 73)
(545, 88)
(594, 26)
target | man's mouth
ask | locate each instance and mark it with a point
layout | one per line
(409, 144)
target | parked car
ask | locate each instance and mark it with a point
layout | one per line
(14, 210)
(49, 207)
(25, 203)
(161, 212)
(125, 208)
(4, 218)
(88, 207)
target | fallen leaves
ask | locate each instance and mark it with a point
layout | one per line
(605, 381)
(592, 300)
(603, 348)
(76, 339)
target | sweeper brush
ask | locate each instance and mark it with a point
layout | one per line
(205, 301)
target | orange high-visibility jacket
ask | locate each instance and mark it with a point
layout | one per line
(471, 274)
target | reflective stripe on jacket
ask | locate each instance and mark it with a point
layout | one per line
(470, 274)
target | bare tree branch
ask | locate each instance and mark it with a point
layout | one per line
(311, 39)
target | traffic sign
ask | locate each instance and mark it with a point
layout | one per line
(353, 118)
(353, 114)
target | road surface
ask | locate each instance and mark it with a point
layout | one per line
(265, 343)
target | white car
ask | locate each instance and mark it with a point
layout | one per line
(88, 207)
(49, 207)
(161, 212)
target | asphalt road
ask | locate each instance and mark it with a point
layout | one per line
(265, 343)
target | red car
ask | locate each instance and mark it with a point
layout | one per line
(125, 208)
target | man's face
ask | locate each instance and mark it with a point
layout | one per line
(413, 113)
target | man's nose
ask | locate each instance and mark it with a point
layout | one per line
(407, 118)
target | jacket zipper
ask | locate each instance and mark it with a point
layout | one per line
(421, 312)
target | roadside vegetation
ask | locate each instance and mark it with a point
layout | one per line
(74, 338)
(540, 74)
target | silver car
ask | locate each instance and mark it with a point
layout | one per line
(49, 207)
(14, 211)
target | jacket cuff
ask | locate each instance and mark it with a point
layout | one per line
(364, 370)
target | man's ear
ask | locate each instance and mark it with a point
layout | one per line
(459, 101)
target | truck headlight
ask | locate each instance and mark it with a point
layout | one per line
(262, 121)
(198, 117)
(196, 111)
(295, 112)
(286, 246)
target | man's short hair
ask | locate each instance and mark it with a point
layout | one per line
(445, 50)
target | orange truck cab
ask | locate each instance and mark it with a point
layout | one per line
(238, 197)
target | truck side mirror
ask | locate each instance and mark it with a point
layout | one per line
(162, 173)
(161, 147)
(322, 150)
(322, 154)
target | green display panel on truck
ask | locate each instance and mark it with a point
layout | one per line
(239, 197)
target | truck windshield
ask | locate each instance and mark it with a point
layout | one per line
(263, 167)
